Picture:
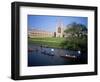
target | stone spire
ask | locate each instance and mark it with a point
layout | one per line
(59, 28)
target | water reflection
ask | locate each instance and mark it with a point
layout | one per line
(44, 56)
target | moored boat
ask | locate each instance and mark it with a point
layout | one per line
(31, 50)
(68, 56)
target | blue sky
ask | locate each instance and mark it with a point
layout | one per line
(49, 23)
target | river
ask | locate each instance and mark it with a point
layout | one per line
(44, 56)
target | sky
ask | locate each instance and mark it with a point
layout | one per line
(49, 23)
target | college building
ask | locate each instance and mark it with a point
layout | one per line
(41, 33)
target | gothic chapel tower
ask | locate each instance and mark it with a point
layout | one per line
(59, 29)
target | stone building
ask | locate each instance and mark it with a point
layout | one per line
(60, 29)
(33, 33)
(40, 33)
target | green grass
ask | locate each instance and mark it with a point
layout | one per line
(66, 43)
(49, 41)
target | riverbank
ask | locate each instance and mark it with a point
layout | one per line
(48, 41)
(75, 44)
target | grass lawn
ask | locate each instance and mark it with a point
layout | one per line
(49, 41)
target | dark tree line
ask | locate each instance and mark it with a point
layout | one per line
(76, 37)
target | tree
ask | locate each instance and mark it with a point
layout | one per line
(76, 30)
(76, 37)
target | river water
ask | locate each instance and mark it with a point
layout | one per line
(44, 56)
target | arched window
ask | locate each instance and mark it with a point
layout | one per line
(59, 29)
